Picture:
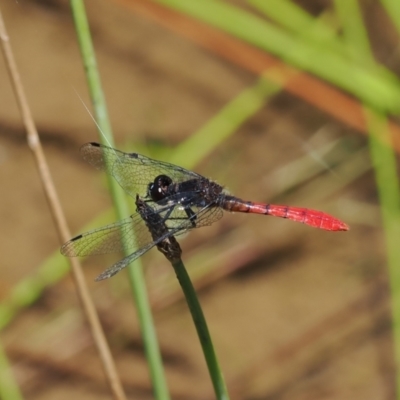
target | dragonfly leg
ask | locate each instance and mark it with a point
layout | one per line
(191, 215)
(189, 212)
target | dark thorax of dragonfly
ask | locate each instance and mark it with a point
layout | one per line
(200, 193)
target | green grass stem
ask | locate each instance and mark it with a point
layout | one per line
(202, 330)
(384, 164)
(387, 181)
(122, 210)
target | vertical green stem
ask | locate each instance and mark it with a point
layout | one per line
(121, 207)
(202, 330)
(384, 162)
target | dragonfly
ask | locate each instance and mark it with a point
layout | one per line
(170, 201)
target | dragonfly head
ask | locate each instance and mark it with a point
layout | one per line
(158, 189)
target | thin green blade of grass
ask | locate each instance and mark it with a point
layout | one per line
(122, 210)
(203, 333)
(387, 181)
(97, 96)
(384, 165)
(380, 93)
(384, 162)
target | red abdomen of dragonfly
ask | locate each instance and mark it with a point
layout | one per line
(314, 218)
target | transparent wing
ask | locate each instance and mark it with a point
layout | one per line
(132, 171)
(110, 238)
(132, 234)
(198, 217)
(137, 236)
(118, 266)
(157, 229)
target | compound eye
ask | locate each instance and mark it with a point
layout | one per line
(158, 190)
(163, 181)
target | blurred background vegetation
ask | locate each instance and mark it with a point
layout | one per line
(294, 102)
